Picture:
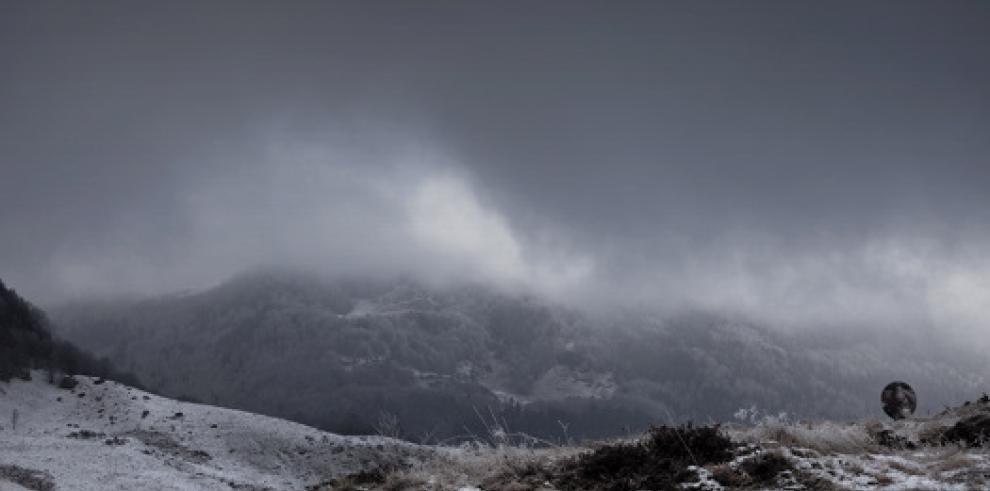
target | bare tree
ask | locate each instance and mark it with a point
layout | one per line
(388, 425)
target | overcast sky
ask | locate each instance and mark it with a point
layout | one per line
(803, 161)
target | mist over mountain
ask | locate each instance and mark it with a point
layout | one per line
(512, 224)
(339, 354)
(797, 165)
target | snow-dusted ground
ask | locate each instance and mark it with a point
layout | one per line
(847, 455)
(822, 456)
(106, 436)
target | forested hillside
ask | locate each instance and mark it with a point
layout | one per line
(352, 356)
(26, 343)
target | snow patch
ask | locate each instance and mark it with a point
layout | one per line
(107, 436)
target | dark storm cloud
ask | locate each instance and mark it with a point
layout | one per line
(797, 160)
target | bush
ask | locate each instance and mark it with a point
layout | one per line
(659, 462)
(764, 468)
(68, 382)
(972, 431)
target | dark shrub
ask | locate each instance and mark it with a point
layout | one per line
(659, 462)
(68, 382)
(972, 431)
(889, 439)
(764, 468)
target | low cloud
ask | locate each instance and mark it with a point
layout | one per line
(369, 209)
(334, 210)
(659, 157)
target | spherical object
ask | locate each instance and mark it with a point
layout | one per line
(899, 400)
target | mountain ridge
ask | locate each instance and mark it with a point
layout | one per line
(360, 349)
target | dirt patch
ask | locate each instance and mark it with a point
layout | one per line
(115, 441)
(169, 446)
(367, 479)
(247, 487)
(28, 478)
(86, 434)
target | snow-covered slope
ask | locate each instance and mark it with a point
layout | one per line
(106, 436)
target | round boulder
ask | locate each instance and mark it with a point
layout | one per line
(899, 400)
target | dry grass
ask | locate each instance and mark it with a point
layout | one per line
(470, 465)
(956, 461)
(939, 454)
(824, 437)
(509, 467)
(883, 479)
(505, 467)
(854, 467)
(905, 468)
(931, 431)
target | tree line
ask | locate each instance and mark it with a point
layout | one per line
(27, 343)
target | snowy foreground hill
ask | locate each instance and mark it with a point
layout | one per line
(105, 436)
